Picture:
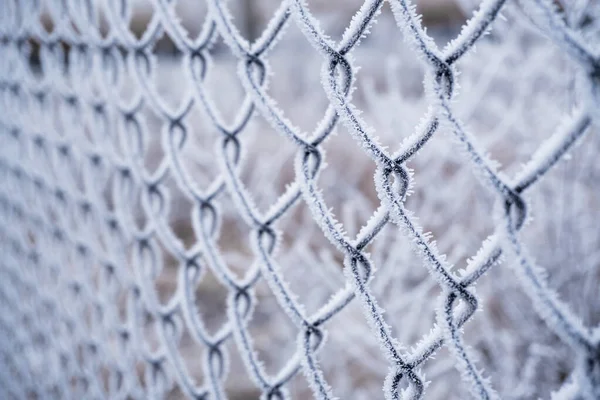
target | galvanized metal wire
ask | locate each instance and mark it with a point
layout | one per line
(68, 249)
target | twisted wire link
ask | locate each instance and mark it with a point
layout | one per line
(69, 248)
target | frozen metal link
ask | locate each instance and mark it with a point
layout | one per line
(69, 252)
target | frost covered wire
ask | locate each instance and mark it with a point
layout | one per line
(67, 138)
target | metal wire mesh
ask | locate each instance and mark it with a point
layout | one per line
(75, 186)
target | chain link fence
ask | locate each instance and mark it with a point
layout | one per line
(152, 228)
